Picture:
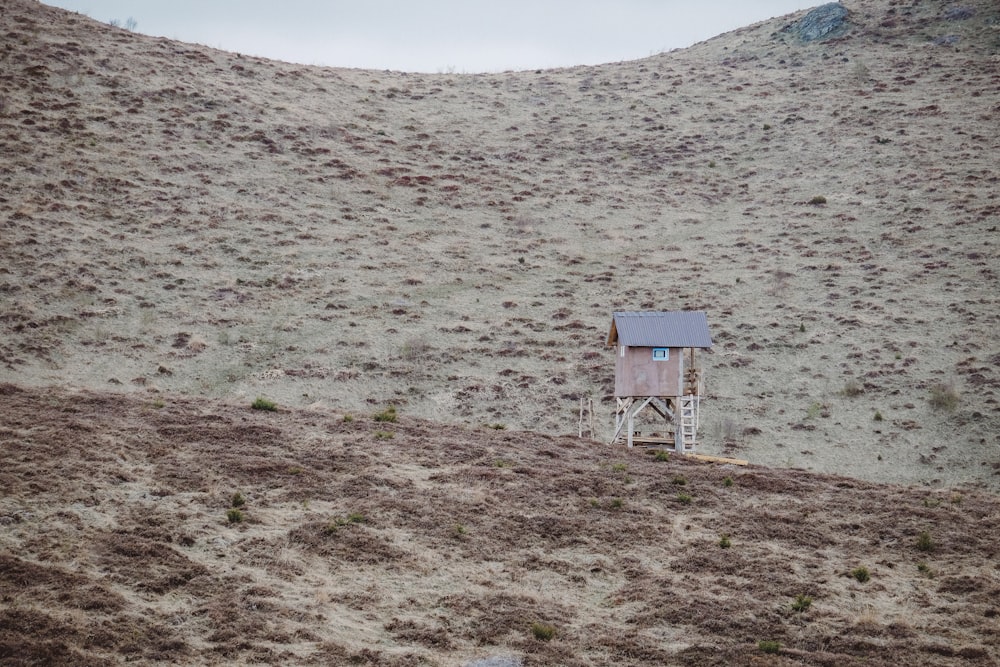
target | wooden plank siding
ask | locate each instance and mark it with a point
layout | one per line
(638, 374)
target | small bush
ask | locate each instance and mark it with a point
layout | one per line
(679, 480)
(619, 467)
(818, 200)
(943, 397)
(387, 415)
(769, 646)
(861, 574)
(802, 602)
(497, 426)
(851, 389)
(348, 419)
(234, 515)
(924, 542)
(384, 435)
(924, 569)
(684, 498)
(263, 404)
(661, 455)
(725, 542)
(617, 503)
(543, 631)
(878, 416)
(237, 500)
(728, 481)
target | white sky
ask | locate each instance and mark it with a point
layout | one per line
(440, 35)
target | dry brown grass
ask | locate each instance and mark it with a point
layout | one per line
(183, 230)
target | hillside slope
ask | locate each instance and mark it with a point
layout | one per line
(402, 543)
(180, 219)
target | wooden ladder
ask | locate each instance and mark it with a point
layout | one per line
(689, 420)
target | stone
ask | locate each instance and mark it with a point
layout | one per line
(824, 21)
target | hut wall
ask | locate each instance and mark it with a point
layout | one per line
(637, 373)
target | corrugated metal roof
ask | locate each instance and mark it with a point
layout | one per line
(674, 328)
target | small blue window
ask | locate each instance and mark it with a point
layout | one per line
(661, 353)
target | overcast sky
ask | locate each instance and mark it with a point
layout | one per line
(439, 35)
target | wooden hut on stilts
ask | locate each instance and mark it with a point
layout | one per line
(657, 368)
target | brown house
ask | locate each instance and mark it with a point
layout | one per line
(656, 366)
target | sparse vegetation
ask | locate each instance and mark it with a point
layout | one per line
(878, 416)
(237, 500)
(852, 388)
(725, 542)
(769, 646)
(234, 515)
(387, 415)
(925, 542)
(861, 574)
(924, 569)
(543, 631)
(661, 455)
(263, 404)
(727, 482)
(684, 498)
(384, 435)
(801, 603)
(818, 200)
(944, 397)
(679, 480)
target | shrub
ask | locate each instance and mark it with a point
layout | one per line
(684, 498)
(861, 574)
(769, 646)
(725, 542)
(619, 467)
(878, 416)
(387, 415)
(348, 419)
(818, 200)
(543, 631)
(728, 481)
(617, 503)
(802, 602)
(943, 397)
(384, 435)
(851, 389)
(234, 515)
(679, 480)
(237, 500)
(263, 404)
(925, 570)
(661, 455)
(924, 542)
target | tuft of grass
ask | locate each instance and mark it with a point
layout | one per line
(725, 542)
(348, 419)
(943, 397)
(619, 467)
(543, 631)
(617, 503)
(497, 426)
(679, 480)
(384, 435)
(851, 389)
(878, 416)
(684, 498)
(925, 542)
(818, 200)
(861, 574)
(261, 403)
(802, 602)
(234, 515)
(387, 415)
(661, 455)
(727, 482)
(769, 646)
(924, 569)
(237, 500)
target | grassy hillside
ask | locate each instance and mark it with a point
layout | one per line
(418, 271)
